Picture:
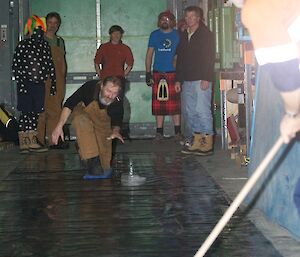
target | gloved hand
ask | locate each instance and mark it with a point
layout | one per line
(149, 79)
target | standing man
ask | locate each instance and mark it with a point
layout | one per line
(195, 71)
(165, 94)
(114, 58)
(53, 103)
(96, 118)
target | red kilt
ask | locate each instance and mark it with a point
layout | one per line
(165, 100)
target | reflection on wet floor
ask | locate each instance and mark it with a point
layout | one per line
(47, 209)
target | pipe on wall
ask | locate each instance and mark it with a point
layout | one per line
(98, 23)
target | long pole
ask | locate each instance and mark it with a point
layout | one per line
(239, 199)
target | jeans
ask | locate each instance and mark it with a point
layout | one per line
(196, 108)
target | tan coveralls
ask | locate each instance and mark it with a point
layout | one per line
(92, 127)
(53, 104)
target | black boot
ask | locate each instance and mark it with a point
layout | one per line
(94, 169)
(94, 166)
(61, 145)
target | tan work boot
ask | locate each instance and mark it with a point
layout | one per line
(35, 146)
(202, 145)
(195, 146)
(206, 145)
(23, 142)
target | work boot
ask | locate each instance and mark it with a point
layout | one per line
(35, 145)
(24, 142)
(95, 171)
(206, 145)
(202, 145)
(61, 145)
(94, 166)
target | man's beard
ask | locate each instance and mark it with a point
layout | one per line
(104, 100)
(164, 26)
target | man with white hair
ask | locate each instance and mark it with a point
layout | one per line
(97, 117)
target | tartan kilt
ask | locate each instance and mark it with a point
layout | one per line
(165, 100)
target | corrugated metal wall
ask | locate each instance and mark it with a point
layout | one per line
(9, 19)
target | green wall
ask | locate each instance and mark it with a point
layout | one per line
(78, 29)
(138, 23)
(137, 17)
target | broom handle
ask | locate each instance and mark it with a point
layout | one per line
(239, 199)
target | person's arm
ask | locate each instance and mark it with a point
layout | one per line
(290, 123)
(179, 59)
(178, 80)
(98, 70)
(289, 126)
(116, 134)
(177, 85)
(175, 61)
(209, 62)
(127, 70)
(82, 94)
(148, 64)
(129, 61)
(98, 61)
(209, 59)
(16, 67)
(148, 60)
(116, 111)
(63, 49)
(58, 131)
(291, 100)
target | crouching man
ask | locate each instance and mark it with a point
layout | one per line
(96, 117)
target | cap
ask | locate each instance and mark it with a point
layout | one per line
(167, 14)
(115, 28)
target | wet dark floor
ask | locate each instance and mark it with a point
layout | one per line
(46, 209)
